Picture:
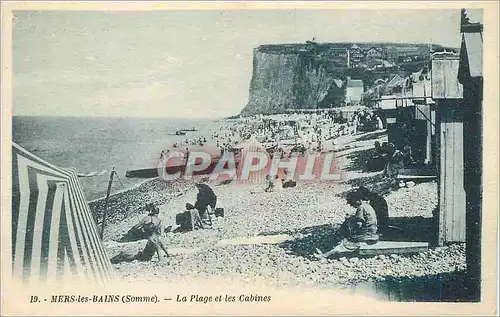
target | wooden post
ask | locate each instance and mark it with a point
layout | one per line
(107, 202)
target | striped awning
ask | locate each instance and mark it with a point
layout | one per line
(54, 236)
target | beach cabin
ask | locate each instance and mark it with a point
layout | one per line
(388, 106)
(410, 121)
(409, 114)
(470, 75)
(411, 128)
(447, 92)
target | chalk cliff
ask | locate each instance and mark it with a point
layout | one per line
(296, 76)
(313, 75)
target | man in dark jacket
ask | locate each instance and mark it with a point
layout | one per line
(377, 160)
(205, 198)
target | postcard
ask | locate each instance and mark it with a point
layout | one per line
(249, 158)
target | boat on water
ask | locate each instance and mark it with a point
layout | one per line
(178, 132)
(173, 169)
(189, 130)
(142, 173)
(184, 131)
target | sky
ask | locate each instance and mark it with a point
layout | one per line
(181, 63)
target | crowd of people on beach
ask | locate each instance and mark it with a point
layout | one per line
(199, 141)
(300, 132)
(296, 133)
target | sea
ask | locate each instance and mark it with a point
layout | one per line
(97, 144)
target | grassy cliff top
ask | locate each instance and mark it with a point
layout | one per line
(296, 48)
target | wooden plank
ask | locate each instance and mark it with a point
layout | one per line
(272, 239)
(418, 171)
(393, 247)
(181, 251)
(456, 220)
(419, 177)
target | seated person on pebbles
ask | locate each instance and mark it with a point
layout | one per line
(360, 228)
(152, 228)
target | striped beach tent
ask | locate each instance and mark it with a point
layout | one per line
(54, 236)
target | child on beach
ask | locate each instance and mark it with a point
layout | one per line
(189, 220)
(273, 183)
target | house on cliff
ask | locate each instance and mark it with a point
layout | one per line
(374, 52)
(354, 91)
(355, 56)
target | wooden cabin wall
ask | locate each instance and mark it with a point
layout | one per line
(445, 83)
(473, 140)
(452, 215)
(423, 113)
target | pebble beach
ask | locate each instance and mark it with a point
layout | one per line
(301, 219)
